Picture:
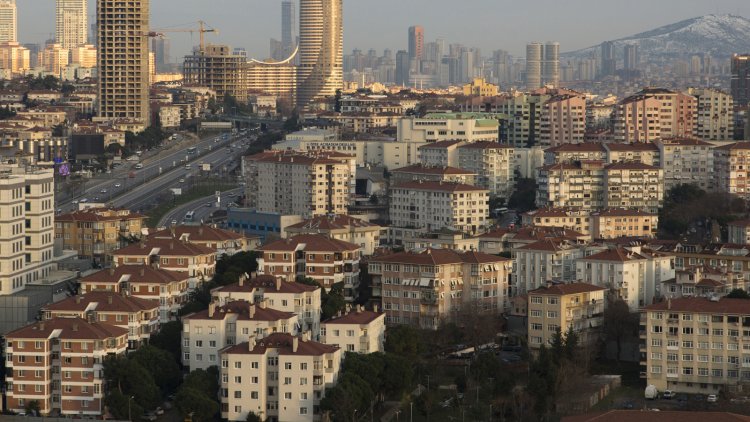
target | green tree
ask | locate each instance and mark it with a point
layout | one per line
(169, 339)
(738, 294)
(253, 417)
(524, 196)
(161, 365)
(196, 403)
(402, 340)
(619, 324)
(33, 408)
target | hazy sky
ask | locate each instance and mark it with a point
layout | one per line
(487, 24)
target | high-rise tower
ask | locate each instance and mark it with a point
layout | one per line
(740, 82)
(630, 56)
(8, 21)
(321, 50)
(71, 23)
(288, 37)
(534, 65)
(551, 64)
(416, 42)
(609, 62)
(123, 60)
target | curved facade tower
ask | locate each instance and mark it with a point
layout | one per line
(321, 50)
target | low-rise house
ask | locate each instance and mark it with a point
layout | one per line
(357, 331)
(341, 227)
(225, 242)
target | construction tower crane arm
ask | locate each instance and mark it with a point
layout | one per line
(202, 30)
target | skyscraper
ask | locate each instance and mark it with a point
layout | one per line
(160, 46)
(402, 68)
(71, 21)
(321, 50)
(534, 65)
(551, 64)
(123, 60)
(609, 63)
(741, 79)
(416, 42)
(288, 38)
(8, 21)
(630, 56)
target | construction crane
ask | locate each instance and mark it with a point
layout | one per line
(202, 30)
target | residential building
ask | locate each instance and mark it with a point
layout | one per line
(60, 364)
(281, 376)
(225, 242)
(356, 330)
(123, 60)
(633, 274)
(569, 153)
(440, 239)
(287, 296)
(561, 307)
(440, 153)
(739, 232)
(8, 21)
(325, 260)
(283, 181)
(438, 205)
(494, 165)
(566, 218)
(732, 169)
(546, 259)
(169, 288)
(27, 211)
(523, 112)
(96, 232)
(321, 51)
(199, 262)
(534, 54)
(416, 42)
(71, 23)
(687, 160)
(205, 333)
(654, 113)
(740, 82)
(15, 59)
(423, 172)
(702, 281)
(577, 185)
(218, 68)
(435, 127)
(341, 227)
(273, 78)
(139, 316)
(54, 59)
(425, 288)
(480, 87)
(695, 344)
(634, 185)
(636, 152)
(614, 223)
(714, 114)
(563, 120)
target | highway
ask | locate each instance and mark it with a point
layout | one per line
(161, 171)
(201, 208)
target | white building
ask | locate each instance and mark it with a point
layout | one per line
(280, 378)
(545, 260)
(356, 331)
(687, 160)
(493, 164)
(435, 127)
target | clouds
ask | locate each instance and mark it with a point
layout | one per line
(487, 24)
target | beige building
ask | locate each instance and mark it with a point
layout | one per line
(702, 281)
(96, 232)
(732, 169)
(634, 186)
(60, 364)
(547, 259)
(357, 331)
(655, 113)
(438, 205)
(122, 62)
(139, 316)
(27, 210)
(282, 377)
(278, 79)
(53, 59)
(321, 51)
(219, 69)
(8, 21)
(687, 160)
(569, 153)
(635, 152)
(425, 288)
(576, 185)
(341, 227)
(325, 260)
(83, 56)
(300, 183)
(225, 242)
(423, 172)
(714, 114)
(169, 288)
(71, 23)
(480, 87)
(440, 153)
(695, 345)
(435, 127)
(563, 120)
(618, 222)
(15, 59)
(553, 307)
(494, 165)
(205, 333)
(566, 218)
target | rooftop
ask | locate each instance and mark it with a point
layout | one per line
(703, 305)
(560, 289)
(439, 186)
(284, 343)
(135, 274)
(309, 243)
(72, 328)
(102, 301)
(439, 257)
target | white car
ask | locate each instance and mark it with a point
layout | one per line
(712, 398)
(103, 191)
(117, 185)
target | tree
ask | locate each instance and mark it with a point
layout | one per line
(253, 417)
(196, 403)
(130, 379)
(524, 196)
(738, 294)
(402, 340)
(619, 324)
(161, 365)
(33, 408)
(169, 339)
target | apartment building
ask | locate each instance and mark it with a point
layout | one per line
(547, 259)
(724, 256)
(732, 169)
(561, 306)
(616, 223)
(436, 127)
(287, 296)
(198, 261)
(563, 120)
(438, 205)
(300, 183)
(570, 153)
(59, 364)
(636, 152)
(714, 121)
(695, 344)
(702, 281)
(15, 59)
(494, 165)
(634, 185)
(281, 377)
(218, 68)
(634, 274)
(739, 232)
(654, 113)
(524, 111)
(96, 232)
(430, 173)
(566, 218)
(169, 288)
(424, 288)
(576, 185)
(225, 242)
(27, 210)
(341, 227)
(440, 154)
(356, 330)
(139, 316)
(327, 261)
(687, 160)
(205, 333)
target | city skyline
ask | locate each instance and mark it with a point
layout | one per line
(377, 26)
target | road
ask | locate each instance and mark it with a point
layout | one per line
(200, 207)
(156, 165)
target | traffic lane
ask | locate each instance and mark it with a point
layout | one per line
(200, 207)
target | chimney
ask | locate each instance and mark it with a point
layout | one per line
(359, 309)
(143, 271)
(549, 284)
(295, 344)
(111, 271)
(211, 309)
(75, 327)
(375, 308)
(171, 245)
(78, 300)
(263, 304)
(669, 303)
(278, 284)
(251, 311)
(251, 343)
(109, 299)
(41, 326)
(242, 280)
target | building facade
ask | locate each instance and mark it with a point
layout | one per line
(321, 50)
(355, 331)
(71, 23)
(341, 227)
(494, 165)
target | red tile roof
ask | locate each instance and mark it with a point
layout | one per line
(422, 169)
(703, 305)
(622, 212)
(441, 144)
(98, 214)
(72, 328)
(283, 342)
(582, 147)
(634, 146)
(356, 317)
(268, 284)
(630, 166)
(439, 186)
(486, 145)
(686, 142)
(309, 243)
(737, 145)
(335, 222)
(566, 289)
(135, 274)
(245, 311)
(102, 301)
(439, 257)
(164, 247)
(201, 233)
(616, 255)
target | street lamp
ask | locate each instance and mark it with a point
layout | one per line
(129, 400)
(354, 417)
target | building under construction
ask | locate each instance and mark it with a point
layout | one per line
(218, 68)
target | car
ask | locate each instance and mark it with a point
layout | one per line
(174, 222)
(84, 200)
(628, 405)
(117, 185)
(149, 416)
(103, 191)
(668, 394)
(138, 166)
(96, 199)
(231, 195)
(208, 204)
(159, 411)
(712, 398)
(75, 202)
(182, 180)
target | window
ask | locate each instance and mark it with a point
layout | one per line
(238, 394)
(536, 300)
(302, 410)
(238, 365)
(303, 396)
(553, 300)
(238, 379)
(288, 396)
(288, 365)
(254, 395)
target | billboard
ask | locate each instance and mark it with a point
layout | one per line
(86, 146)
